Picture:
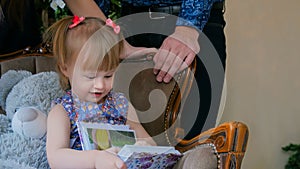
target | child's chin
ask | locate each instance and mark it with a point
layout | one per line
(97, 99)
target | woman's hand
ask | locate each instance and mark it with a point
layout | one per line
(176, 53)
(132, 52)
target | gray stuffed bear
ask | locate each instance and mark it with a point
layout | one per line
(26, 99)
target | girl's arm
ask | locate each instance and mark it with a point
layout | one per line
(59, 153)
(135, 125)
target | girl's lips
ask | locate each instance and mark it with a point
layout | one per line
(96, 94)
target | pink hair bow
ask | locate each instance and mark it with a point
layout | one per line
(76, 20)
(116, 27)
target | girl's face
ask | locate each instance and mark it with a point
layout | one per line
(90, 86)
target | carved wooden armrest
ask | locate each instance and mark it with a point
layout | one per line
(40, 50)
(230, 140)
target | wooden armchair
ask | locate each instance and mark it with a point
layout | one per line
(157, 104)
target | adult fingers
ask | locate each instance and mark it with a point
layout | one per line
(178, 61)
(167, 64)
(159, 59)
(188, 60)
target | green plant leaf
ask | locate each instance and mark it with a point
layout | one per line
(294, 158)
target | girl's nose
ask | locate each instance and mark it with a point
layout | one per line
(99, 83)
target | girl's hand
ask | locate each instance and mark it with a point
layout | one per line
(142, 143)
(108, 159)
(113, 150)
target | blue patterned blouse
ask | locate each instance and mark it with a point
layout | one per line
(112, 111)
(193, 13)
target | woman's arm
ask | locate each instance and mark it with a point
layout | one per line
(90, 8)
(134, 123)
(85, 8)
(59, 153)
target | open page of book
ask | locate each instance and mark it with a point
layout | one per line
(150, 157)
(128, 150)
(99, 136)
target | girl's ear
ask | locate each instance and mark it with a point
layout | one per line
(64, 70)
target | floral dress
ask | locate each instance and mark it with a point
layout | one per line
(113, 111)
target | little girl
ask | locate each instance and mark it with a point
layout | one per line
(87, 52)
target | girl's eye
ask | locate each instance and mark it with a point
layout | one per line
(90, 77)
(108, 76)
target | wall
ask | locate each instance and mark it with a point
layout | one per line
(263, 77)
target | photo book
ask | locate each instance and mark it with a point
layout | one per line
(103, 136)
(98, 136)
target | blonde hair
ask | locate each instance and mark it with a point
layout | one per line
(91, 43)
